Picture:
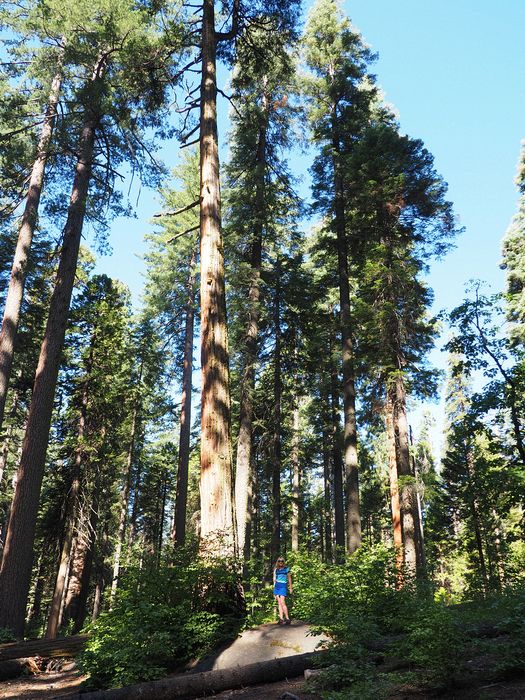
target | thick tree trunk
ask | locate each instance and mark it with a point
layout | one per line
(408, 503)
(217, 531)
(17, 280)
(243, 476)
(277, 446)
(181, 497)
(353, 519)
(80, 574)
(4, 453)
(394, 486)
(15, 574)
(337, 466)
(70, 518)
(296, 480)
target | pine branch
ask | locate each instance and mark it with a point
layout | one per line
(178, 211)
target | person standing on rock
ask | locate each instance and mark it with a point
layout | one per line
(282, 585)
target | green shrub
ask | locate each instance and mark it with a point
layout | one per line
(160, 620)
(6, 635)
(436, 643)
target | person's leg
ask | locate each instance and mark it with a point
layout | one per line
(284, 607)
(281, 603)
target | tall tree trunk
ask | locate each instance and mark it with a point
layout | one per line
(408, 503)
(71, 515)
(217, 531)
(337, 465)
(181, 497)
(15, 574)
(420, 539)
(15, 292)
(124, 495)
(353, 519)
(296, 479)
(277, 447)
(327, 478)
(474, 512)
(394, 485)
(4, 453)
(78, 588)
(244, 462)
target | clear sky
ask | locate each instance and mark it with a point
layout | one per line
(455, 72)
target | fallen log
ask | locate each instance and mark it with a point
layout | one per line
(192, 685)
(17, 667)
(46, 648)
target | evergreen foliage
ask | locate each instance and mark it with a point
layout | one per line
(159, 536)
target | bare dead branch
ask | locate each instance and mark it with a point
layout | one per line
(178, 211)
(183, 233)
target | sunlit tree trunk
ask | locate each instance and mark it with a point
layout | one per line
(243, 475)
(296, 480)
(124, 495)
(394, 486)
(408, 503)
(353, 519)
(81, 565)
(217, 531)
(15, 574)
(70, 517)
(15, 292)
(181, 497)
(277, 445)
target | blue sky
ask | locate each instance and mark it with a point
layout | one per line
(454, 70)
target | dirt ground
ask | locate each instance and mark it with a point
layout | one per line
(46, 686)
(43, 685)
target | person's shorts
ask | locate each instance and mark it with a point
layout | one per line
(280, 589)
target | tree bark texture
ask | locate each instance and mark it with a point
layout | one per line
(124, 495)
(296, 480)
(244, 460)
(408, 502)
(15, 573)
(277, 445)
(394, 485)
(337, 468)
(17, 279)
(191, 685)
(71, 516)
(353, 519)
(328, 480)
(217, 532)
(181, 497)
(80, 573)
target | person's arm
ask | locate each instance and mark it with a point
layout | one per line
(290, 587)
(274, 577)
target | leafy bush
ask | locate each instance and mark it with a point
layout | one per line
(6, 635)
(436, 642)
(160, 621)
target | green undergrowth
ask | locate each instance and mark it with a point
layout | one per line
(162, 618)
(372, 623)
(185, 608)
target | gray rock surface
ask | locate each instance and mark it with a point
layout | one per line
(270, 641)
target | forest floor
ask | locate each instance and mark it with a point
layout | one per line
(263, 643)
(46, 686)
